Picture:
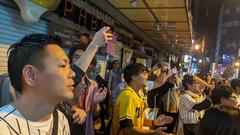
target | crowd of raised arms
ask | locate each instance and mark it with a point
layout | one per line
(50, 92)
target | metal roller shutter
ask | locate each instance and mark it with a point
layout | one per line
(12, 28)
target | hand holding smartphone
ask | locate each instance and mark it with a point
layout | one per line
(112, 43)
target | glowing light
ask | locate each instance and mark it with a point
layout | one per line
(237, 64)
(197, 47)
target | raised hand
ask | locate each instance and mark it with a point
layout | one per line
(79, 115)
(102, 37)
(159, 131)
(162, 120)
(100, 95)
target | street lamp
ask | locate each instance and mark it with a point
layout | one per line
(197, 47)
(237, 64)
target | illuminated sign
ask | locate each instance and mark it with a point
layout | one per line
(79, 15)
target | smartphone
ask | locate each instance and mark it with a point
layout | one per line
(111, 44)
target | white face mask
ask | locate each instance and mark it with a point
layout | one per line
(150, 85)
(30, 11)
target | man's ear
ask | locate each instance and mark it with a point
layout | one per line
(29, 75)
(134, 77)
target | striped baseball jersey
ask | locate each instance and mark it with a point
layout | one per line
(187, 101)
(12, 122)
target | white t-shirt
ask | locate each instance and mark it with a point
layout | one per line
(13, 123)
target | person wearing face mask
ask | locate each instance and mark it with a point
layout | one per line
(88, 98)
(80, 64)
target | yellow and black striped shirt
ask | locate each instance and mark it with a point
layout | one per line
(129, 106)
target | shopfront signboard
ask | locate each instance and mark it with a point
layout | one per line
(69, 37)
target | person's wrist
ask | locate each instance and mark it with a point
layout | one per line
(153, 123)
(94, 45)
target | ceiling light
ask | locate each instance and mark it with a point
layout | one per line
(133, 3)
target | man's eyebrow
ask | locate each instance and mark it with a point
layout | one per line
(66, 60)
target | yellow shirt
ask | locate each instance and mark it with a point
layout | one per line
(129, 105)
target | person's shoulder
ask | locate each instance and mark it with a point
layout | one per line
(63, 123)
(122, 85)
(126, 94)
(127, 91)
(7, 110)
(61, 118)
(185, 96)
(4, 128)
(9, 118)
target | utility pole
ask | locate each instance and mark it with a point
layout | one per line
(203, 51)
(219, 33)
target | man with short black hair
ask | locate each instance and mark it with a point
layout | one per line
(128, 118)
(40, 71)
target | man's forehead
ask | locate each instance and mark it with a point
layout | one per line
(56, 52)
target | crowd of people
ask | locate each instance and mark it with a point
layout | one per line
(63, 94)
